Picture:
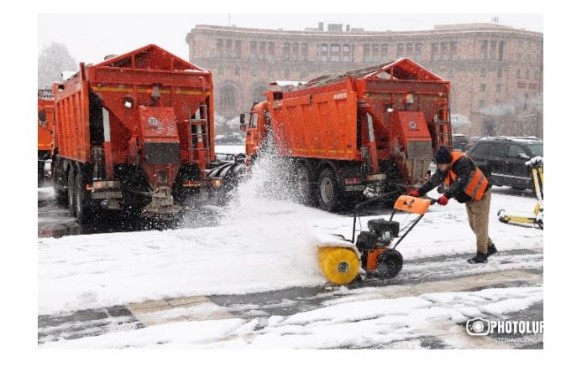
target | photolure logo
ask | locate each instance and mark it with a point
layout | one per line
(481, 327)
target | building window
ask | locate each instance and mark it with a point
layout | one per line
(228, 96)
(295, 51)
(528, 74)
(483, 50)
(483, 71)
(528, 57)
(221, 70)
(236, 70)
(324, 52)
(238, 49)
(304, 51)
(444, 51)
(498, 88)
(434, 52)
(384, 51)
(518, 75)
(261, 50)
(271, 50)
(501, 50)
(286, 51)
(219, 48)
(451, 72)
(453, 50)
(400, 50)
(409, 49)
(482, 87)
(536, 75)
(287, 73)
(335, 53)
(375, 53)
(418, 51)
(492, 49)
(346, 53)
(253, 49)
(482, 103)
(367, 54)
(499, 73)
(228, 48)
(519, 57)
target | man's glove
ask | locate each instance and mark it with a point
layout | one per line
(443, 200)
(414, 193)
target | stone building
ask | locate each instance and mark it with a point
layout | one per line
(496, 71)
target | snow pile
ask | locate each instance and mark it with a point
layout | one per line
(350, 324)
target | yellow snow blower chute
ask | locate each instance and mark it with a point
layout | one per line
(536, 220)
(373, 251)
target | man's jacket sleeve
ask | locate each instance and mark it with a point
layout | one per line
(435, 180)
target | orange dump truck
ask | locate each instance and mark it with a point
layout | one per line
(45, 122)
(369, 131)
(134, 132)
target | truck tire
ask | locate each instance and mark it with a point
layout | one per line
(304, 190)
(60, 193)
(328, 190)
(83, 208)
(71, 192)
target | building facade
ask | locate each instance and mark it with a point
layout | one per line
(496, 72)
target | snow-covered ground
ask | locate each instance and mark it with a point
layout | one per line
(264, 244)
(359, 324)
(261, 245)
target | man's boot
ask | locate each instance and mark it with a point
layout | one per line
(478, 259)
(491, 250)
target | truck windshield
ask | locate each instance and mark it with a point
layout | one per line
(253, 120)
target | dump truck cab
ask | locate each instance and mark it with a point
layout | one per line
(256, 125)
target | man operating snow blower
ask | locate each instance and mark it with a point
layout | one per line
(466, 183)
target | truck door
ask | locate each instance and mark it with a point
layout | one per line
(519, 173)
(252, 134)
(499, 163)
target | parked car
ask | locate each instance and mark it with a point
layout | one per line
(504, 158)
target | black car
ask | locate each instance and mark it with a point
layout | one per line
(504, 158)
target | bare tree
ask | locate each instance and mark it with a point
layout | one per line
(53, 60)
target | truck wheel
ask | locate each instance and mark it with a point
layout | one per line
(71, 191)
(60, 193)
(328, 190)
(82, 204)
(390, 263)
(304, 188)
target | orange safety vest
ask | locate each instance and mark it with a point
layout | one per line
(477, 184)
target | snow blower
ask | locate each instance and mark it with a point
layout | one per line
(373, 253)
(536, 220)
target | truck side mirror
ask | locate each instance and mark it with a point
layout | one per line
(523, 156)
(242, 118)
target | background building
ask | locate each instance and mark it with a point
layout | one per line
(496, 71)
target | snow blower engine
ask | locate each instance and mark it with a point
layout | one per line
(374, 250)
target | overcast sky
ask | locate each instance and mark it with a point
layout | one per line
(90, 37)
